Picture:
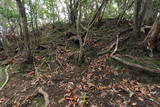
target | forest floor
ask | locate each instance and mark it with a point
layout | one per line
(100, 81)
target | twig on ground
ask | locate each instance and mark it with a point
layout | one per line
(45, 95)
(37, 74)
(7, 78)
(120, 40)
(61, 65)
(49, 66)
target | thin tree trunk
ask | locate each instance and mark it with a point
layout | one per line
(126, 7)
(31, 15)
(25, 29)
(136, 15)
(99, 13)
(78, 34)
(73, 11)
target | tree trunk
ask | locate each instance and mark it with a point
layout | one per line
(73, 11)
(151, 40)
(99, 13)
(31, 15)
(136, 15)
(126, 6)
(79, 35)
(25, 29)
(142, 13)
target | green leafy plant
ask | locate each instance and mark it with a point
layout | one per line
(83, 99)
(118, 67)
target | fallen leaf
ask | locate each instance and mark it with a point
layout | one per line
(133, 104)
(61, 100)
(91, 85)
(131, 94)
(2, 100)
(102, 87)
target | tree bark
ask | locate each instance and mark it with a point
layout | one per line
(73, 11)
(136, 15)
(25, 29)
(142, 13)
(78, 34)
(31, 15)
(151, 39)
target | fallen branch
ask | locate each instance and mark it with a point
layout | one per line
(135, 65)
(116, 47)
(7, 78)
(45, 95)
(106, 51)
(120, 40)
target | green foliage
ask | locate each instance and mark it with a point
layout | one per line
(83, 99)
(20, 67)
(118, 67)
(58, 10)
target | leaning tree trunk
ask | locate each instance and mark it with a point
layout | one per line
(99, 13)
(126, 6)
(25, 29)
(151, 39)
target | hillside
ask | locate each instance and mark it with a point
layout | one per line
(100, 80)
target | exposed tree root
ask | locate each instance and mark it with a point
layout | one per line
(135, 65)
(45, 95)
(7, 78)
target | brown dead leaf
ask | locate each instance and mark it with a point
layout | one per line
(2, 100)
(103, 94)
(84, 79)
(103, 87)
(90, 85)
(131, 94)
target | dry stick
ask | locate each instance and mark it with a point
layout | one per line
(59, 62)
(105, 51)
(45, 95)
(116, 47)
(7, 78)
(135, 65)
(114, 43)
(36, 70)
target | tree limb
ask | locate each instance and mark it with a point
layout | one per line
(135, 65)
